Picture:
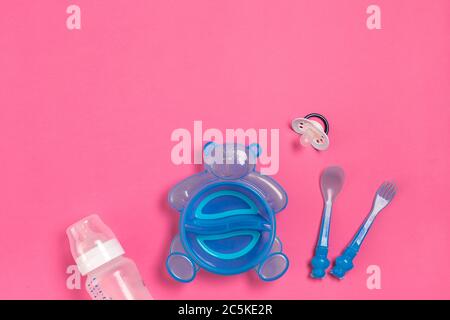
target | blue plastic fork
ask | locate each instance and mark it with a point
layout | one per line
(344, 262)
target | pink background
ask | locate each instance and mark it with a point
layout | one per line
(86, 118)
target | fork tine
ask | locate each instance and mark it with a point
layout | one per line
(382, 189)
(394, 190)
(391, 191)
(387, 190)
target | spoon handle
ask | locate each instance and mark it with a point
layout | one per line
(320, 261)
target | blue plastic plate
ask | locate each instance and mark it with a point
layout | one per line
(227, 228)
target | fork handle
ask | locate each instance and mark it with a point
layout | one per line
(364, 229)
(344, 262)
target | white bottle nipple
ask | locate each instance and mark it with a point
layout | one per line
(92, 243)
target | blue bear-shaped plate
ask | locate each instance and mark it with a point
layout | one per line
(227, 218)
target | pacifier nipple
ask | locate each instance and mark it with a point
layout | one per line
(306, 138)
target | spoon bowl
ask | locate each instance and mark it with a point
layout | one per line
(331, 182)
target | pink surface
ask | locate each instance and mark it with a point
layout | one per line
(86, 118)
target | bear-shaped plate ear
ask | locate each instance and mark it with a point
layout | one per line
(207, 150)
(254, 149)
(208, 147)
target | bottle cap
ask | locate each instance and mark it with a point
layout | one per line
(92, 243)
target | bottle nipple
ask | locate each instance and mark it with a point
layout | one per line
(92, 243)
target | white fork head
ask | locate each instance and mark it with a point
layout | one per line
(385, 194)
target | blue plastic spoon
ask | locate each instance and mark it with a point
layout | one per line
(331, 182)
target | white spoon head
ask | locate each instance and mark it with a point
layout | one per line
(331, 181)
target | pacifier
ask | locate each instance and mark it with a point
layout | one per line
(312, 132)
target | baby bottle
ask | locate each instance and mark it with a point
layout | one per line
(99, 255)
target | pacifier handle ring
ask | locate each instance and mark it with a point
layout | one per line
(321, 117)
